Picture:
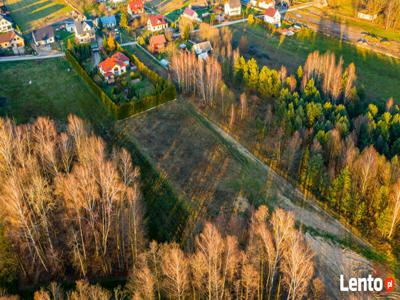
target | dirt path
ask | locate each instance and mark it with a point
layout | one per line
(213, 171)
(319, 21)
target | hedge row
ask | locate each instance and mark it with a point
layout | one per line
(166, 90)
(112, 108)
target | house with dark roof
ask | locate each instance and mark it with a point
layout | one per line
(157, 42)
(107, 22)
(135, 7)
(272, 16)
(190, 14)
(233, 8)
(114, 66)
(156, 23)
(44, 36)
(11, 40)
(84, 32)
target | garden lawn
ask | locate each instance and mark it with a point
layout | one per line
(46, 88)
(34, 14)
(377, 74)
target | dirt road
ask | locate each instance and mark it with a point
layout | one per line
(318, 20)
(213, 171)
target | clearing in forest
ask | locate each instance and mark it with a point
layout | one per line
(217, 176)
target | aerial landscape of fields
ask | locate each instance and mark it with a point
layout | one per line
(199, 149)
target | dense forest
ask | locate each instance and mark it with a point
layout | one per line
(72, 210)
(314, 127)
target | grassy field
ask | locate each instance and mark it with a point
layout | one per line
(345, 10)
(45, 88)
(378, 75)
(33, 14)
(57, 91)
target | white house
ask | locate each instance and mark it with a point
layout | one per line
(272, 16)
(114, 66)
(202, 49)
(233, 8)
(264, 4)
(5, 25)
(70, 26)
(156, 23)
(84, 32)
(44, 36)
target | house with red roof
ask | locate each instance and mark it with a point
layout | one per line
(11, 40)
(190, 14)
(272, 16)
(156, 23)
(135, 7)
(157, 42)
(114, 66)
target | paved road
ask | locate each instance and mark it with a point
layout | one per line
(30, 57)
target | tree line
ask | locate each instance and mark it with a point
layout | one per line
(72, 208)
(69, 205)
(315, 127)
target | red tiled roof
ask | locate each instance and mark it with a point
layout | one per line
(120, 56)
(136, 5)
(7, 37)
(157, 40)
(109, 63)
(156, 20)
(189, 12)
(270, 12)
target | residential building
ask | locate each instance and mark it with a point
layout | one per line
(202, 49)
(107, 22)
(366, 16)
(44, 36)
(156, 23)
(5, 24)
(157, 42)
(272, 16)
(84, 32)
(114, 66)
(70, 25)
(11, 40)
(264, 4)
(233, 8)
(135, 7)
(190, 14)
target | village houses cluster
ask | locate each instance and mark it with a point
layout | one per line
(10, 38)
(86, 31)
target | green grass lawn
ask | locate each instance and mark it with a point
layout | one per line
(377, 74)
(55, 91)
(34, 14)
